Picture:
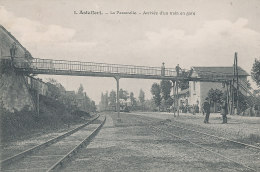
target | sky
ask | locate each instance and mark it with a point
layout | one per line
(209, 35)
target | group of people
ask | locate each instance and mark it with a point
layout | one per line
(206, 110)
(206, 104)
(177, 68)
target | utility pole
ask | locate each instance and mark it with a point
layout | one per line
(227, 98)
(237, 81)
(231, 88)
(238, 110)
(177, 91)
(174, 96)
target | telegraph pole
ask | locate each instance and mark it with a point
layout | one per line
(227, 98)
(174, 96)
(177, 91)
(236, 69)
(232, 97)
(235, 79)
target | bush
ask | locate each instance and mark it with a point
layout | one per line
(53, 115)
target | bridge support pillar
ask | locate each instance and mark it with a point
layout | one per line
(38, 103)
(176, 97)
(117, 98)
(173, 91)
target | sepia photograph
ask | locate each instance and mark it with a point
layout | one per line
(132, 85)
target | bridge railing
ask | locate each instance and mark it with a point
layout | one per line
(63, 65)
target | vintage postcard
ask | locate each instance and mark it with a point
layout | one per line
(133, 85)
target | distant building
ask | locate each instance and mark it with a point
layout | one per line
(198, 91)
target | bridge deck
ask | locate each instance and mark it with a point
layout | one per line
(77, 68)
(62, 67)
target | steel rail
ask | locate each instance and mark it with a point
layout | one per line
(45, 144)
(247, 167)
(219, 137)
(156, 128)
(66, 157)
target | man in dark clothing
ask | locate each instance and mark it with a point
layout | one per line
(190, 72)
(206, 109)
(177, 68)
(224, 111)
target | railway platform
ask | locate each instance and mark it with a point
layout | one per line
(238, 127)
(148, 142)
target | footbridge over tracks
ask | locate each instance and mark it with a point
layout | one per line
(117, 71)
(77, 68)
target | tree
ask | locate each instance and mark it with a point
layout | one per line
(55, 89)
(112, 98)
(149, 105)
(123, 94)
(166, 86)
(141, 98)
(215, 96)
(93, 106)
(184, 84)
(255, 72)
(133, 100)
(70, 102)
(156, 92)
(81, 90)
(243, 101)
(169, 102)
(102, 103)
(163, 105)
(106, 100)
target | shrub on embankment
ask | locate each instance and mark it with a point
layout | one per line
(18, 117)
(53, 115)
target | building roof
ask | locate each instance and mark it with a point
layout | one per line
(219, 71)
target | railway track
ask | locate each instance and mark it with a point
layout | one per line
(241, 154)
(54, 153)
(218, 137)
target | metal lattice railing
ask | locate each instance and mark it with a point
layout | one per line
(77, 66)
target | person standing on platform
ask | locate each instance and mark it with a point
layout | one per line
(224, 111)
(206, 109)
(177, 68)
(190, 73)
(163, 69)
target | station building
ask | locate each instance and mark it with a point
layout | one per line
(197, 92)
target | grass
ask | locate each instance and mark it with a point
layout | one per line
(23, 124)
